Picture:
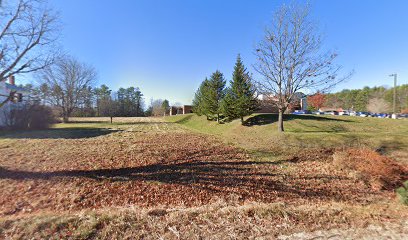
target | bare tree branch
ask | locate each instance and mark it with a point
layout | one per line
(66, 83)
(28, 32)
(290, 58)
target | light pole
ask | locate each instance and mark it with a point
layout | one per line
(395, 93)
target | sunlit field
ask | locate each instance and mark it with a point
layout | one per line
(93, 179)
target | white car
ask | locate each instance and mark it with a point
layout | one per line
(344, 113)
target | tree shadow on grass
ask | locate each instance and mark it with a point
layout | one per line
(251, 180)
(264, 119)
(56, 133)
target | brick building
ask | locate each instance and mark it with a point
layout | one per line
(176, 110)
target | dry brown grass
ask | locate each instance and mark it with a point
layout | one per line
(145, 178)
(155, 167)
(379, 171)
(220, 220)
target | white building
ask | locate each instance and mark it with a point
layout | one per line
(5, 89)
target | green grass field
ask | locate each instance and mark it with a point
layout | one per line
(259, 133)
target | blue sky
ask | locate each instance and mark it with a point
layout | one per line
(167, 47)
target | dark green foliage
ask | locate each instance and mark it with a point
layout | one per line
(213, 94)
(130, 102)
(198, 101)
(103, 101)
(240, 99)
(166, 105)
(208, 98)
(402, 193)
(228, 105)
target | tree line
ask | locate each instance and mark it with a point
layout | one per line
(90, 101)
(374, 99)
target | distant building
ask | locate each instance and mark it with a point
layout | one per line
(268, 103)
(5, 90)
(176, 110)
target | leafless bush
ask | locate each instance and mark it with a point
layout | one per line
(28, 116)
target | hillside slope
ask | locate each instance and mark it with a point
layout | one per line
(260, 134)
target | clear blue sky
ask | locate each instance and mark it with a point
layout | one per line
(168, 47)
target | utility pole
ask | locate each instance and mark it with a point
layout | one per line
(394, 103)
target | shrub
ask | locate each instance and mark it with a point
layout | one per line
(29, 116)
(402, 193)
(379, 171)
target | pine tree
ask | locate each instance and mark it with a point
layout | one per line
(241, 98)
(165, 106)
(198, 101)
(213, 95)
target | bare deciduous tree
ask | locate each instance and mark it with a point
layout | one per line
(157, 108)
(67, 81)
(378, 105)
(290, 58)
(27, 31)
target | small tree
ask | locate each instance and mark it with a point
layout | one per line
(240, 100)
(317, 100)
(290, 58)
(213, 95)
(165, 106)
(198, 101)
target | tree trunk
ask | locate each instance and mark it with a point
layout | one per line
(242, 120)
(218, 118)
(65, 115)
(280, 121)
(111, 118)
(65, 118)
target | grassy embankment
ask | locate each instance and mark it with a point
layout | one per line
(260, 135)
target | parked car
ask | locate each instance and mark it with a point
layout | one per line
(352, 113)
(364, 114)
(344, 113)
(318, 113)
(300, 112)
(380, 115)
(331, 113)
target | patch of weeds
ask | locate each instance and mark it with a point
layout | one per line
(265, 156)
(402, 193)
(89, 227)
(155, 182)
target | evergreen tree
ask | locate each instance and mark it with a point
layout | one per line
(198, 101)
(213, 95)
(241, 99)
(103, 98)
(165, 106)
